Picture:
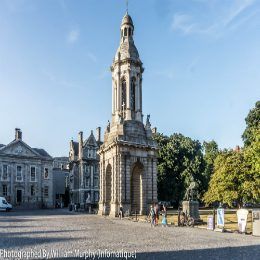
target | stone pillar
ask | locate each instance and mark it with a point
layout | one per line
(191, 208)
(101, 185)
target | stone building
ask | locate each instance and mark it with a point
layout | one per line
(128, 157)
(61, 181)
(26, 178)
(84, 169)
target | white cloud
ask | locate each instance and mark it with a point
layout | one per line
(231, 19)
(237, 8)
(73, 35)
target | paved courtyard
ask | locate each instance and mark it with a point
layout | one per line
(62, 234)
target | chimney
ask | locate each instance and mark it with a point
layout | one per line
(80, 145)
(98, 134)
(18, 134)
(237, 149)
(154, 130)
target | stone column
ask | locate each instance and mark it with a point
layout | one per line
(101, 185)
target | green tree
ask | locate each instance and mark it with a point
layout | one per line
(211, 152)
(180, 160)
(252, 123)
(251, 185)
(226, 184)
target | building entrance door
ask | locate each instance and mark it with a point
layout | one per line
(19, 196)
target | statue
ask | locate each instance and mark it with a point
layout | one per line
(148, 120)
(108, 126)
(191, 191)
(190, 205)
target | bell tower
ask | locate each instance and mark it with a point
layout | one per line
(128, 156)
(127, 72)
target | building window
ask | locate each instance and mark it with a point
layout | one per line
(32, 190)
(46, 191)
(133, 94)
(46, 173)
(4, 190)
(19, 176)
(87, 182)
(96, 196)
(5, 172)
(95, 182)
(33, 173)
(125, 32)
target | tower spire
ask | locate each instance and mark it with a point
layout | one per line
(127, 6)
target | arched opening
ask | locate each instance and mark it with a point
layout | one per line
(108, 187)
(123, 97)
(136, 188)
(133, 94)
(125, 32)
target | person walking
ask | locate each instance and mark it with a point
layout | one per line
(152, 216)
(121, 213)
(164, 216)
(156, 211)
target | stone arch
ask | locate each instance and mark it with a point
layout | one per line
(108, 186)
(136, 187)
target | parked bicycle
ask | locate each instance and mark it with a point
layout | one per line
(186, 220)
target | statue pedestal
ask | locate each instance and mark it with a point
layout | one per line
(191, 208)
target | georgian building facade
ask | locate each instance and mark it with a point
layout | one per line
(84, 169)
(26, 178)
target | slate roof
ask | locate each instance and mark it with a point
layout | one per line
(75, 146)
(41, 152)
(90, 141)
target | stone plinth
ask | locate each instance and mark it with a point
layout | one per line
(191, 208)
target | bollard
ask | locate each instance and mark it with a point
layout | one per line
(214, 218)
(178, 224)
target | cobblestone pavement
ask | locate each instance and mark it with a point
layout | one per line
(67, 234)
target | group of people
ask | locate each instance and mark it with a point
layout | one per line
(155, 213)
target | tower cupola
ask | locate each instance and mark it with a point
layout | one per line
(127, 28)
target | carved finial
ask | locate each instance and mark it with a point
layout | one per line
(148, 120)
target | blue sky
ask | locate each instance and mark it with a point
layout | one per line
(201, 59)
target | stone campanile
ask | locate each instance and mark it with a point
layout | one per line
(128, 156)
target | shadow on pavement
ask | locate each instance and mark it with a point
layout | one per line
(245, 252)
(8, 241)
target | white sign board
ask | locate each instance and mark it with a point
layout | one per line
(220, 217)
(242, 220)
(210, 225)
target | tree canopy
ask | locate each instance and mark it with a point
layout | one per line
(252, 124)
(236, 175)
(180, 161)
